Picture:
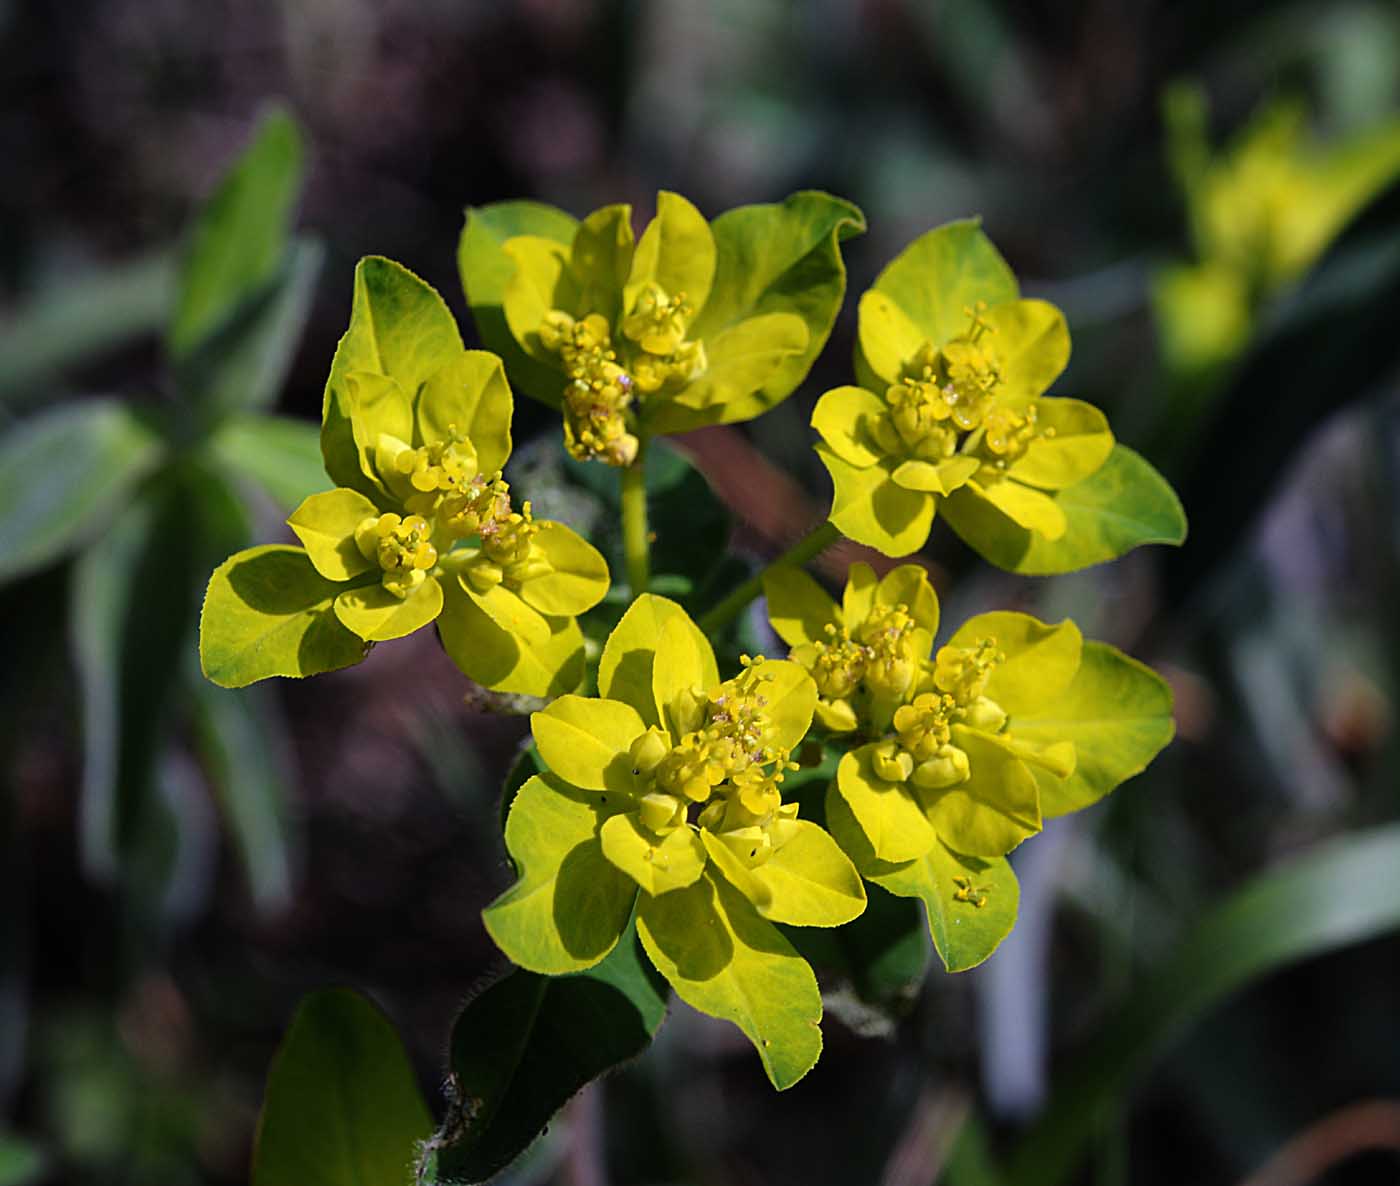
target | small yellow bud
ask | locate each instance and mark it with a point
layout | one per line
(948, 767)
(892, 763)
(647, 751)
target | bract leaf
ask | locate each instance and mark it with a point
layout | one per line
(325, 523)
(682, 664)
(657, 865)
(269, 612)
(868, 507)
(570, 903)
(950, 885)
(585, 740)
(471, 395)
(1031, 346)
(1117, 713)
(1031, 510)
(509, 611)
(933, 282)
(889, 339)
(742, 358)
(908, 585)
(377, 615)
(942, 478)
(790, 698)
(540, 283)
(600, 261)
(996, 808)
(342, 1105)
(780, 258)
(798, 607)
(578, 578)
(1040, 659)
(810, 881)
(485, 270)
(1082, 442)
(891, 819)
(400, 329)
(725, 960)
(844, 416)
(1125, 503)
(626, 668)
(497, 658)
(676, 252)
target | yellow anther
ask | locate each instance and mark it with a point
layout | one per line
(402, 547)
(839, 664)
(965, 891)
(467, 509)
(507, 541)
(657, 322)
(963, 672)
(1007, 433)
(892, 658)
(924, 727)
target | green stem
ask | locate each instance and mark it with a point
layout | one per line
(809, 547)
(636, 542)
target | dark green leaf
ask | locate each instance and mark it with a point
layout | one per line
(528, 1043)
(342, 1106)
(1341, 894)
(20, 1162)
(240, 238)
(62, 474)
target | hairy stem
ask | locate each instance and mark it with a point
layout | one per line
(810, 546)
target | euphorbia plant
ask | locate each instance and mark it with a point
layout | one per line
(673, 817)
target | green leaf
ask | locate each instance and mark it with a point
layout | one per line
(675, 252)
(282, 456)
(63, 474)
(1123, 505)
(725, 960)
(342, 1106)
(399, 329)
(870, 508)
(808, 882)
(496, 658)
(241, 365)
(578, 575)
(269, 612)
(527, 1043)
(889, 817)
(776, 258)
(1118, 714)
(486, 270)
(1314, 904)
(570, 904)
(240, 237)
(798, 607)
(375, 614)
(21, 1163)
(964, 933)
(931, 282)
(246, 754)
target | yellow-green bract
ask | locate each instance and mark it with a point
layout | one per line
(420, 527)
(694, 323)
(962, 752)
(664, 796)
(952, 417)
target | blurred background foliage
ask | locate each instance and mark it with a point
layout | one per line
(1202, 985)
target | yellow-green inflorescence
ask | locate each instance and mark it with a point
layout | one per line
(689, 324)
(665, 794)
(951, 412)
(969, 744)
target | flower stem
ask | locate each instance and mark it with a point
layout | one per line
(636, 541)
(809, 547)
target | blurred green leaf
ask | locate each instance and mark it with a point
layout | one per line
(242, 364)
(283, 456)
(246, 755)
(135, 594)
(342, 1106)
(62, 474)
(73, 320)
(20, 1162)
(240, 237)
(1126, 503)
(528, 1043)
(1343, 893)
